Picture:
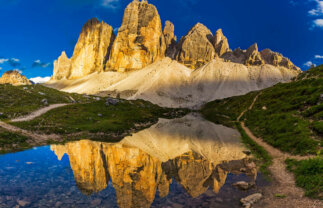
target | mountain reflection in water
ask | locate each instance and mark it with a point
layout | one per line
(196, 153)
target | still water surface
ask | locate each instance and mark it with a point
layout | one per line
(184, 162)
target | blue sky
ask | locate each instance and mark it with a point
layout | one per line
(34, 32)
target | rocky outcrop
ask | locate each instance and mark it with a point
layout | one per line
(277, 59)
(170, 39)
(62, 67)
(140, 40)
(90, 54)
(13, 77)
(253, 57)
(221, 44)
(92, 49)
(196, 49)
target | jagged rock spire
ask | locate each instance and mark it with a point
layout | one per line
(221, 44)
(170, 39)
(195, 48)
(140, 40)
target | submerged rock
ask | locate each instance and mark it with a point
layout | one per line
(248, 201)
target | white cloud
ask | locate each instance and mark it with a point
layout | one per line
(111, 4)
(2, 60)
(39, 63)
(318, 10)
(309, 64)
(318, 57)
(39, 80)
(318, 23)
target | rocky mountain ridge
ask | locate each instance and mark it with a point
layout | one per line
(141, 41)
(14, 77)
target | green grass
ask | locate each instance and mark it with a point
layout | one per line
(287, 116)
(308, 175)
(17, 101)
(258, 151)
(227, 111)
(10, 142)
(97, 118)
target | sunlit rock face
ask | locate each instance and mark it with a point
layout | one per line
(136, 174)
(90, 54)
(140, 40)
(277, 59)
(221, 43)
(88, 164)
(62, 67)
(196, 49)
(13, 77)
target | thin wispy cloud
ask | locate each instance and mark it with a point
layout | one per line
(0, 68)
(318, 57)
(111, 4)
(2, 60)
(14, 62)
(39, 63)
(309, 64)
(318, 10)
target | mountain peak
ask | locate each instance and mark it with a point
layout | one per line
(14, 77)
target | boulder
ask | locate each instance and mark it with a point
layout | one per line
(111, 101)
(221, 44)
(196, 49)
(140, 40)
(243, 185)
(170, 39)
(248, 201)
(14, 77)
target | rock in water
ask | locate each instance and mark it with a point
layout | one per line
(140, 40)
(196, 49)
(221, 44)
(170, 38)
(248, 201)
(277, 59)
(13, 77)
(62, 67)
(92, 49)
(90, 54)
(253, 57)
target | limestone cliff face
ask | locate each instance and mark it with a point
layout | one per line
(13, 77)
(140, 40)
(253, 57)
(196, 49)
(136, 175)
(277, 59)
(87, 163)
(92, 49)
(221, 43)
(170, 39)
(62, 67)
(90, 54)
